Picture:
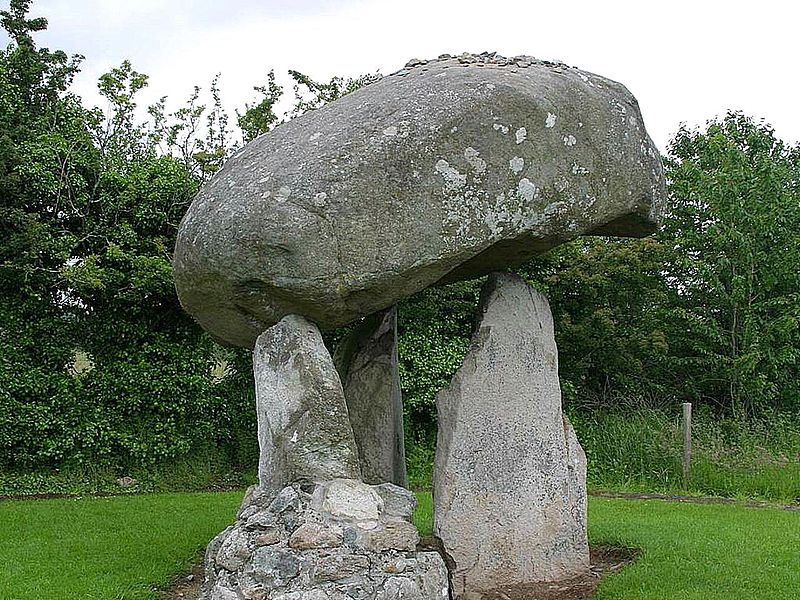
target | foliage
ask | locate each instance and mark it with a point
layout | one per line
(260, 117)
(92, 200)
(434, 330)
(88, 221)
(642, 450)
(310, 94)
(733, 219)
(608, 300)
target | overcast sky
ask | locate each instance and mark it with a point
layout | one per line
(684, 60)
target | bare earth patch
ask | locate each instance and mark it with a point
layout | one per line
(604, 560)
(187, 585)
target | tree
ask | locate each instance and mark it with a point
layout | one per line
(90, 209)
(91, 202)
(733, 220)
(260, 117)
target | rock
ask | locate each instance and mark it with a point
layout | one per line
(394, 535)
(260, 520)
(351, 500)
(397, 501)
(303, 427)
(213, 547)
(336, 566)
(274, 566)
(315, 535)
(287, 499)
(222, 593)
(509, 478)
(460, 167)
(268, 537)
(233, 551)
(366, 360)
(311, 561)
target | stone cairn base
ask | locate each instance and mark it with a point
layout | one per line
(338, 540)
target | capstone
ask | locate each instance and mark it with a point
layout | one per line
(446, 170)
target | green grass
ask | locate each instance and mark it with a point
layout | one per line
(699, 551)
(690, 551)
(423, 516)
(105, 548)
(128, 547)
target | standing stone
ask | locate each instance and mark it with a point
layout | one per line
(367, 363)
(303, 428)
(509, 479)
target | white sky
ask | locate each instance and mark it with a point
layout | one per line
(684, 60)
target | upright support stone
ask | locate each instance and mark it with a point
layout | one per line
(303, 428)
(367, 363)
(509, 479)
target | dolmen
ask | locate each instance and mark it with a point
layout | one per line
(448, 170)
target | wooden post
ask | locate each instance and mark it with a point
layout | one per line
(687, 440)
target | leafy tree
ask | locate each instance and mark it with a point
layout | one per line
(310, 94)
(88, 219)
(609, 301)
(260, 117)
(733, 218)
(91, 202)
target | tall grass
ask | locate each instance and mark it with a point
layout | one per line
(641, 450)
(202, 471)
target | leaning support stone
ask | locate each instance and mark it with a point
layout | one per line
(509, 479)
(367, 363)
(303, 428)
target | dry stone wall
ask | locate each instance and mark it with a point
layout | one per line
(336, 540)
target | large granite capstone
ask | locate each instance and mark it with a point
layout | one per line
(446, 170)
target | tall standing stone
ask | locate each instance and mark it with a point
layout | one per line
(509, 479)
(367, 363)
(303, 427)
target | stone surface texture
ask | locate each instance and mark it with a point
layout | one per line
(366, 360)
(304, 432)
(446, 170)
(509, 478)
(335, 540)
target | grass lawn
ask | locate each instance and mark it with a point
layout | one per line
(127, 547)
(690, 551)
(105, 548)
(699, 551)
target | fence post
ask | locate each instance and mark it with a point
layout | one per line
(687, 440)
